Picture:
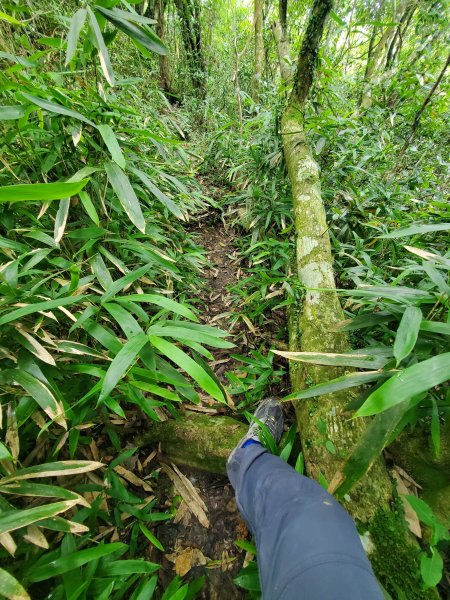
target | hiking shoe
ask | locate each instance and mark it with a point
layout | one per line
(270, 413)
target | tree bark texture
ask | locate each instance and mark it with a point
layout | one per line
(195, 440)
(259, 48)
(283, 51)
(159, 8)
(327, 434)
(189, 14)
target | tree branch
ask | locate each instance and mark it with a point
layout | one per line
(309, 50)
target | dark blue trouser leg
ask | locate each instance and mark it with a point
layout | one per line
(308, 546)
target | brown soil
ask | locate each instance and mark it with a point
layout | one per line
(183, 539)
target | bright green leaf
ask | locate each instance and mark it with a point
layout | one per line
(121, 363)
(407, 383)
(126, 194)
(40, 192)
(407, 333)
(111, 142)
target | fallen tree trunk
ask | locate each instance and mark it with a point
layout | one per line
(195, 440)
(328, 436)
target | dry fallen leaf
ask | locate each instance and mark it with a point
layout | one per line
(188, 492)
(132, 478)
(187, 558)
(410, 515)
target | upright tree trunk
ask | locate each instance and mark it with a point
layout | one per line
(282, 45)
(375, 59)
(397, 38)
(259, 48)
(189, 12)
(159, 8)
(327, 435)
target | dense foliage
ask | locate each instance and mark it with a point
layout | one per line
(100, 272)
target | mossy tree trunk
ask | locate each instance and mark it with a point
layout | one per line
(328, 435)
(199, 441)
(259, 48)
(312, 328)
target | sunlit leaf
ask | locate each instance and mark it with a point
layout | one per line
(127, 196)
(40, 192)
(407, 333)
(76, 25)
(110, 139)
(103, 53)
(9, 586)
(121, 363)
(407, 383)
(189, 365)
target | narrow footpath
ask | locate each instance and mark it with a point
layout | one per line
(193, 549)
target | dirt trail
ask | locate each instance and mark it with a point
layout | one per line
(186, 541)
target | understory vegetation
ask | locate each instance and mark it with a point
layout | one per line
(126, 126)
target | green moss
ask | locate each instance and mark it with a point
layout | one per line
(394, 560)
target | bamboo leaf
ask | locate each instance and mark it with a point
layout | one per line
(163, 302)
(72, 561)
(407, 383)
(15, 519)
(10, 588)
(186, 334)
(57, 108)
(127, 197)
(336, 385)
(40, 192)
(141, 35)
(398, 293)
(61, 468)
(111, 142)
(35, 347)
(42, 490)
(407, 333)
(100, 270)
(122, 361)
(151, 538)
(189, 365)
(61, 220)
(38, 307)
(124, 319)
(363, 361)
(121, 568)
(103, 54)
(118, 285)
(369, 447)
(415, 229)
(163, 198)
(11, 113)
(12, 20)
(39, 392)
(89, 207)
(76, 25)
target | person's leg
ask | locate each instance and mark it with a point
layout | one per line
(308, 546)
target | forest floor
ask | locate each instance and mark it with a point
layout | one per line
(191, 548)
